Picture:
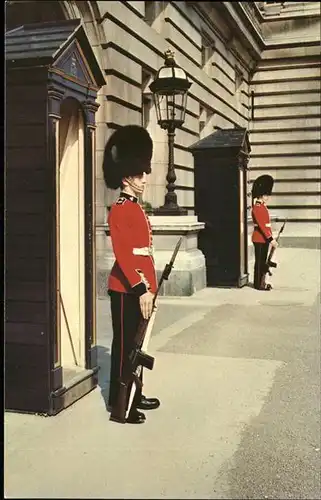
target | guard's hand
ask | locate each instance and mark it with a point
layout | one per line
(146, 304)
(274, 244)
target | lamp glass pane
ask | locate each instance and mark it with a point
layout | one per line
(162, 107)
(165, 72)
(180, 73)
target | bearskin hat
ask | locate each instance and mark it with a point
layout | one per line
(263, 185)
(128, 152)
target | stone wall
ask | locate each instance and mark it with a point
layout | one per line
(136, 35)
(285, 128)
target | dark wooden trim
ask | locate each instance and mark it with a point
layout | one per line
(52, 284)
(89, 207)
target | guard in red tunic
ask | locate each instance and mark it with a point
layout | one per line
(262, 236)
(132, 282)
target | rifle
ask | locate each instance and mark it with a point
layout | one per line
(269, 262)
(139, 359)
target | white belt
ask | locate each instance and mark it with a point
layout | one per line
(144, 251)
(266, 225)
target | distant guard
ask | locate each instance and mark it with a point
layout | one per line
(262, 236)
(132, 282)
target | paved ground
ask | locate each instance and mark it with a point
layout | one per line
(238, 374)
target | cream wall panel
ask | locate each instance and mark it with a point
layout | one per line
(222, 63)
(292, 52)
(132, 45)
(287, 99)
(286, 74)
(216, 104)
(285, 86)
(121, 12)
(121, 115)
(99, 163)
(139, 6)
(286, 161)
(221, 122)
(281, 149)
(177, 38)
(291, 187)
(216, 72)
(179, 20)
(184, 158)
(123, 65)
(191, 123)
(183, 138)
(185, 198)
(189, 13)
(280, 123)
(287, 111)
(271, 137)
(125, 91)
(298, 213)
(184, 178)
(193, 105)
(288, 173)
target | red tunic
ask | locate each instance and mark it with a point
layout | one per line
(131, 236)
(262, 226)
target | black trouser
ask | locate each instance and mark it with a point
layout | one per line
(261, 251)
(126, 315)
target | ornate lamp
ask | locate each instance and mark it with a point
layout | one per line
(170, 96)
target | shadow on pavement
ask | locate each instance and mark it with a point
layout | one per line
(104, 371)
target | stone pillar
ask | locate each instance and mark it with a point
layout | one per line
(189, 272)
